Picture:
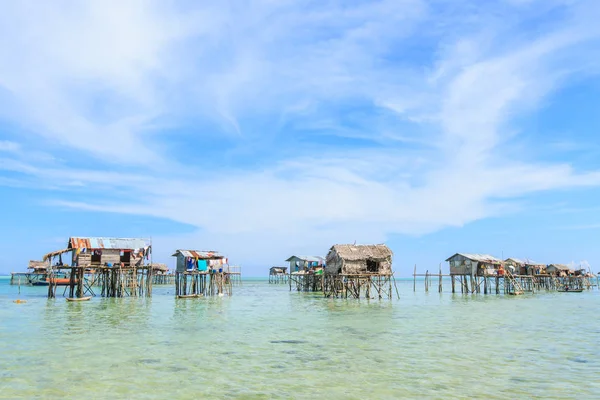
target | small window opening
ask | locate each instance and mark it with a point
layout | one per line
(372, 266)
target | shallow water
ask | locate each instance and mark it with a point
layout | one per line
(265, 342)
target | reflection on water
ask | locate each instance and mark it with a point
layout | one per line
(266, 342)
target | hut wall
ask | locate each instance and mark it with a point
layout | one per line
(360, 267)
(385, 267)
(297, 264)
(355, 267)
(334, 265)
(112, 256)
(460, 265)
(83, 260)
(181, 263)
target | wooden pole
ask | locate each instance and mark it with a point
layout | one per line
(440, 280)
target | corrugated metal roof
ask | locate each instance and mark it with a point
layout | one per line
(201, 254)
(307, 258)
(523, 261)
(107, 243)
(478, 257)
(560, 266)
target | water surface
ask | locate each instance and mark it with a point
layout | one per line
(265, 342)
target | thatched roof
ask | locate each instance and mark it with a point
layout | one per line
(159, 267)
(37, 264)
(56, 253)
(353, 252)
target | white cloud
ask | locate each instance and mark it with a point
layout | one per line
(133, 68)
(9, 147)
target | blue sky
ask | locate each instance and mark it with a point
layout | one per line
(263, 129)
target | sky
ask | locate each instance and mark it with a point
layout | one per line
(264, 129)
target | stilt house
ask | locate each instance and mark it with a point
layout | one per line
(473, 264)
(96, 251)
(200, 260)
(559, 270)
(524, 266)
(300, 264)
(349, 259)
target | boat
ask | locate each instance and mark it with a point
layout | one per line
(189, 296)
(567, 290)
(57, 282)
(79, 298)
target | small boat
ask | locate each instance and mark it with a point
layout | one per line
(79, 298)
(567, 290)
(57, 282)
(189, 296)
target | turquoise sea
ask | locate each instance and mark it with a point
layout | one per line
(265, 342)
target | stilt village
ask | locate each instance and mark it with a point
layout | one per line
(121, 267)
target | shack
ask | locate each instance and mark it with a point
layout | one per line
(559, 270)
(300, 264)
(348, 259)
(37, 267)
(525, 266)
(278, 275)
(201, 260)
(353, 270)
(117, 265)
(473, 264)
(200, 273)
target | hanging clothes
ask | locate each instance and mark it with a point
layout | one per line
(202, 266)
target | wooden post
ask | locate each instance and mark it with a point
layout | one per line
(415, 279)
(440, 281)
(452, 278)
(426, 280)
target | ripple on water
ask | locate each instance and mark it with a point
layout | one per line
(266, 342)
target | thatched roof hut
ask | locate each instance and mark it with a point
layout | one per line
(38, 266)
(352, 259)
(159, 269)
(277, 270)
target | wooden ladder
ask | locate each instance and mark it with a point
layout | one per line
(513, 284)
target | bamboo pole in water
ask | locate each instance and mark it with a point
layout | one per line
(415, 279)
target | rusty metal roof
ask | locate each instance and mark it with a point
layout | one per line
(200, 254)
(107, 243)
(478, 257)
(523, 261)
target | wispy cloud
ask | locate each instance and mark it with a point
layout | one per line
(245, 124)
